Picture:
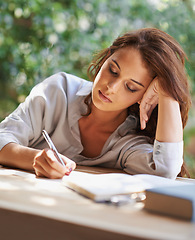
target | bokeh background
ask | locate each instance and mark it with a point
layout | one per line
(41, 37)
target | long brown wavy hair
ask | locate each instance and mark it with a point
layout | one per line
(165, 58)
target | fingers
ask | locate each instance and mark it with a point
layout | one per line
(143, 120)
(147, 104)
(46, 164)
(70, 165)
(145, 113)
(39, 171)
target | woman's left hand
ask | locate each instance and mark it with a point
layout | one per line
(148, 102)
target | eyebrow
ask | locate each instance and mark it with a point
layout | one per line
(116, 63)
(131, 78)
(137, 82)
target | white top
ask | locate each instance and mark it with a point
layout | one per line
(56, 105)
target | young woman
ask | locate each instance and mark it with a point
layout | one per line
(131, 117)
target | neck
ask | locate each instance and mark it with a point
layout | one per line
(108, 120)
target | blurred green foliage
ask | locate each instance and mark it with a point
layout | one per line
(41, 37)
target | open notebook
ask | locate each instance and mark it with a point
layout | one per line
(101, 187)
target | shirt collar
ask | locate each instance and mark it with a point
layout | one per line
(128, 126)
(85, 89)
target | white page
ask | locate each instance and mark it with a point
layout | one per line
(105, 185)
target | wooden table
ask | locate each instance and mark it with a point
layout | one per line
(32, 208)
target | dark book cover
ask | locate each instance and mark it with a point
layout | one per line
(175, 201)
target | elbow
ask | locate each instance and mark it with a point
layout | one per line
(168, 159)
(168, 173)
(169, 169)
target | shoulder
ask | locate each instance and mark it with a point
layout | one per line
(62, 78)
(63, 83)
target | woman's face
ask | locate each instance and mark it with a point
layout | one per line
(121, 81)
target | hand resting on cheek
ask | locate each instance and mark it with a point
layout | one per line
(148, 102)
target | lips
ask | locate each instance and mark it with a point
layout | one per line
(104, 98)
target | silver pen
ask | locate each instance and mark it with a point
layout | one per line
(52, 146)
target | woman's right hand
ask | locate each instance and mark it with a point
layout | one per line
(46, 165)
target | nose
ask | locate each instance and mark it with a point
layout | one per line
(114, 85)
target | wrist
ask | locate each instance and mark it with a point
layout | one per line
(166, 99)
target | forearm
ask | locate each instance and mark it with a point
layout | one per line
(15, 155)
(169, 125)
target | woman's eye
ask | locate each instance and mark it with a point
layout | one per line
(112, 71)
(130, 89)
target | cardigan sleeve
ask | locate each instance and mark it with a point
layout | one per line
(162, 158)
(41, 109)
